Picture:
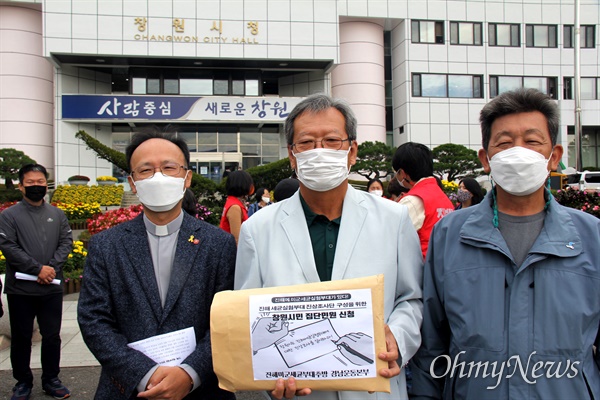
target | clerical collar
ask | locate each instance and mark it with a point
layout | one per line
(164, 230)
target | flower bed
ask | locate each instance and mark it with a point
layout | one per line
(103, 195)
(106, 179)
(112, 218)
(79, 211)
(588, 202)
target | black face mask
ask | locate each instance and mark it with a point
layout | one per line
(35, 193)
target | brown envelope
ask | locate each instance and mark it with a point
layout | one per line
(232, 349)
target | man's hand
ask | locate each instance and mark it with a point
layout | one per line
(169, 383)
(46, 275)
(391, 356)
(288, 389)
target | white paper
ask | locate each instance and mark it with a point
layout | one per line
(317, 335)
(33, 278)
(168, 349)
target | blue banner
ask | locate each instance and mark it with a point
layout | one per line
(125, 107)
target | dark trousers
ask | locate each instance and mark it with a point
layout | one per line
(22, 310)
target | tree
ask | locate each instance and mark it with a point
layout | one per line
(374, 160)
(103, 151)
(455, 160)
(11, 160)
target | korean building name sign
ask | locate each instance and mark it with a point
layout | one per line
(180, 108)
(208, 32)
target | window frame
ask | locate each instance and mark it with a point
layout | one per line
(551, 84)
(457, 42)
(493, 37)
(571, 36)
(417, 86)
(437, 39)
(530, 34)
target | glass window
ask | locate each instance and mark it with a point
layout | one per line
(588, 89)
(587, 38)
(153, 86)
(433, 85)
(138, 86)
(506, 83)
(504, 35)
(270, 138)
(460, 86)
(503, 32)
(228, 139)
(237, 88)
(440, 85)
(270, 151)
(196, 86)
(249, 162)
(171, 86)
(251, 87)
(267, 160)
(501, 84)
(221, 87)
(468, 33)
(249, 135)
(189, 137)
(427, 32)
(207, 139)
(540, 35)
(250, 150)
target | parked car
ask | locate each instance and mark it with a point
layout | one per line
(587, 180)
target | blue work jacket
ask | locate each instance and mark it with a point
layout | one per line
(495, 330)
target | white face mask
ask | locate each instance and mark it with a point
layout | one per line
(519, 171)
(160, 193)
(266, 199)
(377, 192)
(322, 169)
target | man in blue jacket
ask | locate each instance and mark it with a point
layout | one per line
(511, 299)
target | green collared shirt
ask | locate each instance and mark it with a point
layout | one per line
(323, 236)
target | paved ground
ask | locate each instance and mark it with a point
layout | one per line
(79, 369)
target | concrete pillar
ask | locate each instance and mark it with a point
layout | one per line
(27, 85)
(360, 77)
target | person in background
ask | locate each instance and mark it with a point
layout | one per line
(323, 233)
(469, 193)
(375, 187)
(190, 203)
(35, 239)
(285, 189)
(154, 275)
(512, 283)
(239, 186)
(396, 190)
(426, 202)
(262, 199)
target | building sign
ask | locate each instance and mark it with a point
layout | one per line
(215, 32)
(179, 108)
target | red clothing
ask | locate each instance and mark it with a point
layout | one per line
(436, 205)
(231, 201)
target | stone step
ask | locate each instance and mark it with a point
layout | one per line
(129, 198)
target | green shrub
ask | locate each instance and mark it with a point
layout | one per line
(269, 175)
(10, 195)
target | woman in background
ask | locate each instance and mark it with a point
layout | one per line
(374, 186)
(469, 193)
(262, 199)
(239, 186)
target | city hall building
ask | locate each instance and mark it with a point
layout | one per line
(226, 73)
